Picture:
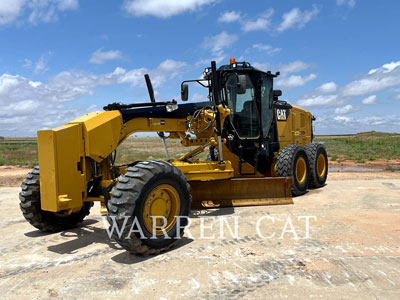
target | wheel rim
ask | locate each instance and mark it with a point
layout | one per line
(301, 170)
(321, 165)
(273, 169)
(162, 201)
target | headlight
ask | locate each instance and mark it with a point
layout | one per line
(171, 107)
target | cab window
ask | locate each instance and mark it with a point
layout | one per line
(244, 112)
(267, 112)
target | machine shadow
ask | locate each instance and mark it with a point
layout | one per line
(87, 235)
(38, 233)
(211, 212)
(84, 236)
(127, 258)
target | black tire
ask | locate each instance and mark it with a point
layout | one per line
(318, 172)
(286, 166)
(44, 220)
(128, 200)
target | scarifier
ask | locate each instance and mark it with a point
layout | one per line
(260, 153)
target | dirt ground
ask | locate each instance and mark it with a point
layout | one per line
(352, 252)
(369, 164)
(12, 175)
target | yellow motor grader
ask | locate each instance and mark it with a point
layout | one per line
(260, 153)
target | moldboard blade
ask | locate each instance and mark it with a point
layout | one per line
(241, 192)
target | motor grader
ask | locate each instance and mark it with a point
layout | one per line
(260, 153)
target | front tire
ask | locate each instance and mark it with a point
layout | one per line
(149, 189)
(44, 220)
(293, 162)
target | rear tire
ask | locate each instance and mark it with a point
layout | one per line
(139, 195)
(293, 162)
(318, 164)
(45, 220)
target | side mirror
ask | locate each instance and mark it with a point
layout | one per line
(277, 94)
(185, 92)
(241, 85)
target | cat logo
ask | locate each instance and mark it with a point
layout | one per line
(281, 114)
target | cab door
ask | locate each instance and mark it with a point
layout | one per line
(244, 113)
(267, 111)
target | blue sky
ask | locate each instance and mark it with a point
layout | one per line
(60, 59)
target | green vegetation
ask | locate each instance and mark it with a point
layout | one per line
(391, 168)
(18, 151)
(145, 148)
(23, 151)
(363, 146)
(360, 148)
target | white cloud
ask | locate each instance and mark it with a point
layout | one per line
(10, 10)
(343, 124)
(320, 100)
(376, 80)
(261, 66)
(31, 105)
(324, 95)
(217, 44)
(229, 17)
(68, 4)
(262, 23)
(327, 88)
(162, 8)
(297, 19)
(294, 81)
(343, 119)
(345, 109)
(41, 65)
(168, 69)
(133, 77)
(27, 63)
(47, 10)
(198, 97)
(349, 3)
(369, 100)
(34, 11)
(266, 48)
(387, 76)
(396, 91)
(386, 68)
(100, 56)
(294, 67)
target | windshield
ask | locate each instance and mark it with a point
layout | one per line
(244, 112)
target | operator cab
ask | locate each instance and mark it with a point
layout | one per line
(252, 112)
(250, 130)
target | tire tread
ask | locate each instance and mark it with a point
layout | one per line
(125, 195)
